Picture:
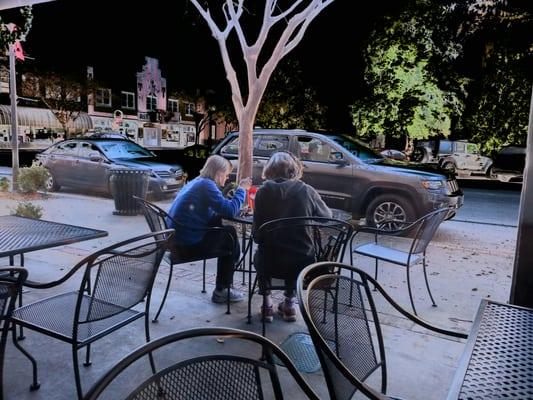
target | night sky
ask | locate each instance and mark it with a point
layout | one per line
(114, 36)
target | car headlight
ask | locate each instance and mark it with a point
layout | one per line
(433, 185)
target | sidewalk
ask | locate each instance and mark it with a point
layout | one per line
(466, 263)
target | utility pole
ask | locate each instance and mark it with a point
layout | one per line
(14, 118)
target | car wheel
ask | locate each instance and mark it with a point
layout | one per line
(490, 174)
(419, 155)
(51, 184)
(389, 212)
(449, 166)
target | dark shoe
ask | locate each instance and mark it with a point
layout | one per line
(287, 310)
(221, 296)
(267, 313)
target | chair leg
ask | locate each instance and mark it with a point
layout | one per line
(250, 295)
(263, 319)
(376, 273)
(87, 362)
(228, 310)
(427, 282)
(77, 371)
(409, 289)
(147, 334)
(35, 384)
(203, 278)
(164, 295)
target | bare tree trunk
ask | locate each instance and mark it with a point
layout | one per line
(246, 128)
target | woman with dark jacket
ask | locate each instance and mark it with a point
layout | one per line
(284, 195)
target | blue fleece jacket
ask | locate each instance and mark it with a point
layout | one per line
(197, 205)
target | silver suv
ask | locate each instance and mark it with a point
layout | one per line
(459, 156)
(352, 177)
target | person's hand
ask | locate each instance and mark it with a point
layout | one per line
(245, 183)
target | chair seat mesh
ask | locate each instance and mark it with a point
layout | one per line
(56, 315)
(223, 379)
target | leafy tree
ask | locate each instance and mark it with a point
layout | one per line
(407, 96)
(64, 97)
(289, 103)
(498, 106)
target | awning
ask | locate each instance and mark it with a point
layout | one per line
(43, 118)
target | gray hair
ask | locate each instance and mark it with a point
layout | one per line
(215, 164)
(283, 165)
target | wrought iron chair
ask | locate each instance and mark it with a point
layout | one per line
(421, 231)
(225, 373)
(123, 276)
(330, 238)
(11, 280)
(157, 220)
(343, 320)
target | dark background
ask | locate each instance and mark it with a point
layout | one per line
(115, 36)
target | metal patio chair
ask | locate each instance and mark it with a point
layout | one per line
(122, 274)
(157, 219)
(11, 280)
(344, 323)
(330, 238)
(198, 372)
(421, 231)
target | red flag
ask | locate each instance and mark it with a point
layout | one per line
(19, 53)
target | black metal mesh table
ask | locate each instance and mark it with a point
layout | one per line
(19, 235)
(497, 362)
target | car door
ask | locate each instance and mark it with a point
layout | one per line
(326, 170)
(61, 163)
(95, 173)
(460, 157)
(473, 158)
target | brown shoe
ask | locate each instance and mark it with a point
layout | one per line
(287, 310)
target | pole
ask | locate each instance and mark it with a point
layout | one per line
(14, 118)
(522, 283)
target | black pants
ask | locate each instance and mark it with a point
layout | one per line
(221, 244)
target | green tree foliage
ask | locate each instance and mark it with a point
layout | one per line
(498, 107)
(289, 103)
(413, 92)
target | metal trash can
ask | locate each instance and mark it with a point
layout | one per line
(126, 183)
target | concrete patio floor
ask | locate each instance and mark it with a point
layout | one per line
(466, 263)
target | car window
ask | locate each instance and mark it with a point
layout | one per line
(357, 148)
(266, 145)
(124, 149)
(66, 149)
(460, 147)
(86, 149)
(313, 149)
(471, 148)
(445, 146)
(232, 148)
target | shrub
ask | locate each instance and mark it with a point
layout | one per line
(27, 209)
(31, 179)
(4, 184)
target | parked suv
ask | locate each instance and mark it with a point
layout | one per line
(509, 164)
(86, 163)
(460, 156)
(351, 176)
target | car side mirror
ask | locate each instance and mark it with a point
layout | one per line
(95, 156)
(336, 157)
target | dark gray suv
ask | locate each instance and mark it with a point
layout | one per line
(351, 176)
